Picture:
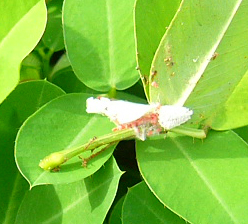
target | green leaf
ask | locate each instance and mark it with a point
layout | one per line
(115, 217)
(21, 103)
(151, 20)
(234, 112)
(25, 100)
(141, 206)
(53, 36)
(204, 182)
(61, 124)
(22, 24)
(64, 77)
(86, 201)
(99, 38)
(195, 62)
(12, 192)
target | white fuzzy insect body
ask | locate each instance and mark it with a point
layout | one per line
(171, 116)
(118, 111)
(142, 117)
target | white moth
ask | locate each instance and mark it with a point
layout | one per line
(118, 111)
(147, 117)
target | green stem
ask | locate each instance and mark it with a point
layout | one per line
(195, 133)
(103, 140)
(112, 93)
(46, 55)
(55, 159)
(86, 160)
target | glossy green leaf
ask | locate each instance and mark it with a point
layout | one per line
(22, 24)
(200, 63)
(86, 201)
(21, 103)
(99, 38)
(151, 20)
(61, 124)
(53, 36)
(24, 101)
(116, 215)
(234, 112)
(141, 206)
(204, 182)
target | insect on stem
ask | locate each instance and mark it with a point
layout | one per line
(56, 159)
(133, 120)
(90, 142)
(86, 160)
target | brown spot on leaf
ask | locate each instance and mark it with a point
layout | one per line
(215, 55)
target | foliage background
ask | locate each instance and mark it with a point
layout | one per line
(55, 54)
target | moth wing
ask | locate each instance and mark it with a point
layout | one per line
(97, 106)
(172, 116)
(122, 112)
(119, 111)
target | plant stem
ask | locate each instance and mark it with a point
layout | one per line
(85, 160)
(103, 140)
(112, 93)
(55, 159)
(46, 55)
(195, 133)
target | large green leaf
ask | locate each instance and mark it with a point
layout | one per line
(21, 103)
(99, 37)
(151, 20)
(204, 182)
(202, 58)
(22, 24)
(61, 124)
(141, 206)
(86, 201)
(234, 112)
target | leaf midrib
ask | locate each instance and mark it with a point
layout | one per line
(110, 42)
(206, 182)
(196, 77)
